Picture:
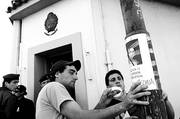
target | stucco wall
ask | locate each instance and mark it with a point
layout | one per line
(73, 16)
(162, 22)
(101, 25)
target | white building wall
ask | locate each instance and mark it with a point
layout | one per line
(101, 25)
(73, 16)
(162, 22)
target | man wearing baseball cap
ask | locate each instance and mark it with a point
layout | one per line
(8, 101)
(56, 102)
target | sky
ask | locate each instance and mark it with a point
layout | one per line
(6, 31)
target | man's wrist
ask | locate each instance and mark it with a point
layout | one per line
(100, 106)
(125, 106)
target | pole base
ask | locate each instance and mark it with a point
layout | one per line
(155, 110)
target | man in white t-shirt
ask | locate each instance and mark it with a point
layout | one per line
(56, 99)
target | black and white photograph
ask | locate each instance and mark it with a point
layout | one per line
(89, 59)
(134, 53)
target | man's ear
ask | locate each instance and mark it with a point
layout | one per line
(6, 83)
(56, 74)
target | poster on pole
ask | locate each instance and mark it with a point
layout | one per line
(141, 60)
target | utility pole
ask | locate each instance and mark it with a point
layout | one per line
(142, 61)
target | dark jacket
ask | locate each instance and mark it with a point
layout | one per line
(8, 104)
(26, 109)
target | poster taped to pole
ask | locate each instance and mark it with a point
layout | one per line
(141, 60)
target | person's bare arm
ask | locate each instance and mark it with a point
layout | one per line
(72, 110)
(105, 99)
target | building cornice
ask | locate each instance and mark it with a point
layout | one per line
(34, 6)
(29, 8)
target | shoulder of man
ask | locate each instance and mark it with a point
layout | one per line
(54, 84)
(28, 100)
(53, 87)
(29, 103)
(6, 93)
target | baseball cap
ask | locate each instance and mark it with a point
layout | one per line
(61, 63)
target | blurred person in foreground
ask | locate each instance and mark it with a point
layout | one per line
(55, 101)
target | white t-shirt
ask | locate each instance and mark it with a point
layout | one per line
(49, 100)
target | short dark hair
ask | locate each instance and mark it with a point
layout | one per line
(110, 73)
(60, 69)
(61, 65)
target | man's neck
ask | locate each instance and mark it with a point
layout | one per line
(71, 92)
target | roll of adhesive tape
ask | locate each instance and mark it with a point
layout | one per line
(118, 89)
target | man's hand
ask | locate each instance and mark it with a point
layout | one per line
(106, 98)
(136, 91)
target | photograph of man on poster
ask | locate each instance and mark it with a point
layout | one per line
(133, 52)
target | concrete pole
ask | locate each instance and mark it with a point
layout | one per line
(142, 61)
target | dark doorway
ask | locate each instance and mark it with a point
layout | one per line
(46, 59)
(42, 56)
(60, 53)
